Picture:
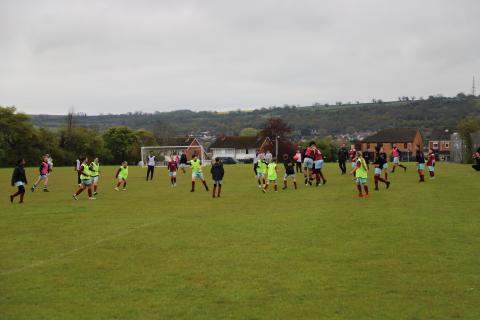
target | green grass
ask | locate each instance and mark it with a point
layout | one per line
(411, 252)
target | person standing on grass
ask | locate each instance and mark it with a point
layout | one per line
(298, 161)
(271, 176)
(78, 163)
(50, 164)
(420, 158)
(378, 173)
(255, 162)
(183, 161)
(342, 158)
(396, 159)
(261, 171)
(352, 155)
(19, 180)
(43, 170)
(431, 163)
(150, 166)
(318, 165)
(122, 176)
(308, 163)
(384, 159)
(94, 174)
(85, 180)
(217, 172)
(289, 171)
(361, 173)
(172, 172)
(197, 172)
(476, 158)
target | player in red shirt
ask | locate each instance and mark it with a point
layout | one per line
(317, 167)
(172, 168)
(431, 164)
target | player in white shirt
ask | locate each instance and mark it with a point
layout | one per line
(150, 165)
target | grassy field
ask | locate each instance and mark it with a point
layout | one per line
(153, 252)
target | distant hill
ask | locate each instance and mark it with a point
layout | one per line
(433, 113)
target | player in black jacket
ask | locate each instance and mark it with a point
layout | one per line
(19, 180)
(342, 158)
(289, 171)
(217, 172)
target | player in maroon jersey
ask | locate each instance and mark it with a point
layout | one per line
(431, 163)
(172, 168)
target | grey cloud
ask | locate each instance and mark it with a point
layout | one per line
(119, 56)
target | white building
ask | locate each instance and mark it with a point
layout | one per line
(239, 148)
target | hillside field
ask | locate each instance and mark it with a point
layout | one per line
(154, 252)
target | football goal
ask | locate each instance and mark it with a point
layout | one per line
(163, 154)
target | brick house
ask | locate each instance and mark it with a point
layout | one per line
(440, 143)
(406, 140)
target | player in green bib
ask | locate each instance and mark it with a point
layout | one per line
(85, 179)
(122, 175)
(361, 173)
(271, 176)
(197, 172)
(261, 171)
(94, 174)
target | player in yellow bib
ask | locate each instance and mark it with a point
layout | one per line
(122, 176)
(85, 180)
(361, 173)
(197, 172)
(94, 174)
(261, 171)
(271, 176)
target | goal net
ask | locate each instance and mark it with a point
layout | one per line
(163, 154)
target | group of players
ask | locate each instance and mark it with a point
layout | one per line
(310, 161)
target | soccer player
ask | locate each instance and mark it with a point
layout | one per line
(352, 155)
(50, 164)
(289, 171)
(431, 164)
(19, 180)
(261, 171)
(197, 172)
(183, 161)
(396, 159)
(85, 180)
(384, 159)
(298, 161)
(476, 157)
(271, 176)
(378, 173)
(172, 172)
(122, 176)
(94, 174)
(420, 158)
(308, 163)
(150, 165)
(43, 170)
(342, 158)
(78, 163)
(255, 162)
(217, 172)
(318, 165)
(361, 173)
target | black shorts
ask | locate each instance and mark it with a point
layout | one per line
(21, 189)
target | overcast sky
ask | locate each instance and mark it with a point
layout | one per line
(119, 56)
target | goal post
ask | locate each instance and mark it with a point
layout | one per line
(163, 154)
